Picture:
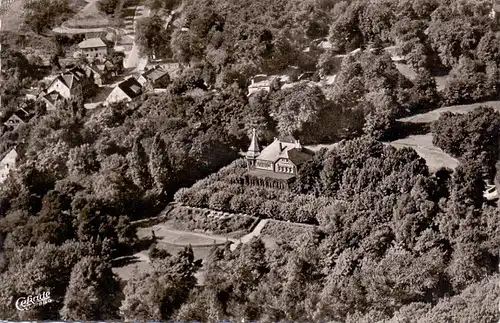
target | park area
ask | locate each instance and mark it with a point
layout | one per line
(168, 237)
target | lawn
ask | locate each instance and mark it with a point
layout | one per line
(88, 17)
(435, 158)
(12, 19)
(434, 114)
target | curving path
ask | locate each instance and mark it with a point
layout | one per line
(255, 233)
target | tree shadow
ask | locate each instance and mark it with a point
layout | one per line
(124, 261)
(404, 129)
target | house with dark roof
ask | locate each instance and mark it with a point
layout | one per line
(97, 71)
(66, 82)
(51, 100)
(154, 78)
(19, 117)
(94, 48)
(277, 164)
(125, 91)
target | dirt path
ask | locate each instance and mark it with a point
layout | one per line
(255, 233)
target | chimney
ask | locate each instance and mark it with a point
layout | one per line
(298, 145)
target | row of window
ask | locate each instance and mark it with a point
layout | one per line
(285, 169)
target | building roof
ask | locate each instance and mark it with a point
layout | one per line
(288, 148)
(92, 43)
(154, 74)
(131, 87)
(262, 80)
(53, 97)
(20, 114)
(68, 78)
(23, 114)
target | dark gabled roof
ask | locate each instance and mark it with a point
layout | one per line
(53, 97)
(23, 115)
(154, 74)
(298, 156)
(20, 114)
(131, 87)
(78, 72)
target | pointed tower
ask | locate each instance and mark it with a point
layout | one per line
(253, 151)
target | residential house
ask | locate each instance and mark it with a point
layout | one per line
(154, 78)
(126, 90)
(262, 82)
(94, 49)
(19, 117)
(6, 164)
(51, 100)
(276, 165)
(96, 71)
(66, 82)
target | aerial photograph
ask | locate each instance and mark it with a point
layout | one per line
(332, 161)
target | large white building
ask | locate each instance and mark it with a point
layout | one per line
(93, 49)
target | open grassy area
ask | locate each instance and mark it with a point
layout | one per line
(435, 158)
(12, 18)
(434, 114)
(88, 17)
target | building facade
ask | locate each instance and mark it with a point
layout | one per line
(276, 165)
(93, 49)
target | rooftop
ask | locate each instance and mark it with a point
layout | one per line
(131, 87)
(92, 43)
(288, 148)
(154, 74)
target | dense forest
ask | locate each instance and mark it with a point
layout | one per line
(394, 243)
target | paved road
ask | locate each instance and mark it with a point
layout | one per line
(133, 60)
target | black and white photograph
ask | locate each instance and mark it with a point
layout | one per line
(332, 161)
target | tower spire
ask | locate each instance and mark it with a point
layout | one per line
(253, 149)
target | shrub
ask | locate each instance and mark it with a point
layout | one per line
(220, 201)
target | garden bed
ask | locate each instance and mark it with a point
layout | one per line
(235, 226)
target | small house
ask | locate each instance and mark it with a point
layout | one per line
(125, 91)
(154, 78)
(66, 82)
(19, 117)
(262, 83)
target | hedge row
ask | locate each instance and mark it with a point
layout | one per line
(190, 220)
(219, 192)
